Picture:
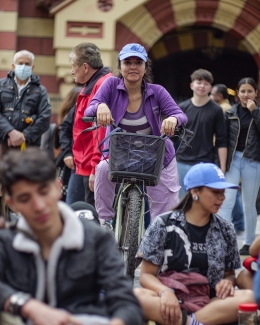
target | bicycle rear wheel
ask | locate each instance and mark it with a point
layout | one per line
(130, 227)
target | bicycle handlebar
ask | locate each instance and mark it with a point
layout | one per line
(88, 119)
(178, 130)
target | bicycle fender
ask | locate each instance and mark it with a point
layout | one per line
(119, 215)
(141, 222)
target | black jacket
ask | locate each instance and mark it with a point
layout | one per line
(252, 148)
(83, 261)
(66, 134)
(14, 109)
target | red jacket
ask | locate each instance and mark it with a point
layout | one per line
(85, 146)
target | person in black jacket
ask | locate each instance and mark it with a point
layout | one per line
(25, 110)
(243, 160)
(73, 184)
(56, 268)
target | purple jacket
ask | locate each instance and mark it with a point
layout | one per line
(157, 102)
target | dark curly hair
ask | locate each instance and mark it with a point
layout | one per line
(148, 76)
(32, 165)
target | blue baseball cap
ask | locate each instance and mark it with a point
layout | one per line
(133, 49)
(206, 174)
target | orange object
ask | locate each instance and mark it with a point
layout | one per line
(28, 120)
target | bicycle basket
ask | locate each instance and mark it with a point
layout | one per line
(136, 156)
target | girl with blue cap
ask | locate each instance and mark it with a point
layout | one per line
(192, 239)
(137, 106)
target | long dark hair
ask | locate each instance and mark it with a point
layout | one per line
(68, 102)
(249, 81)
(148, 76)
(186, 203)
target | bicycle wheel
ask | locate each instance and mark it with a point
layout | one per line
(130, 228)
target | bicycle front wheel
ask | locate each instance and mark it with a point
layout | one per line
(130, 229)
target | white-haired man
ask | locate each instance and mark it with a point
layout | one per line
(24, 106)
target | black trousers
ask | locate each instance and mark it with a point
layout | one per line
(89, 195)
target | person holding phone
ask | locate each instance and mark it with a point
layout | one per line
(243, 161)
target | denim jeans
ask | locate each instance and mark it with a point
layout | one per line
(238, 214)
(182, 171)
(76, 190)
(249, 172)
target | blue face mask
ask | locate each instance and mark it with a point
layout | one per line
(23, 72)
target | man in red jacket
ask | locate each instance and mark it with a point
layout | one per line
(87, 69)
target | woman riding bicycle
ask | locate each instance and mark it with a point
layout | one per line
(137, 106)
(189, 240)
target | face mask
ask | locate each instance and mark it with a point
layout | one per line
(23, 71)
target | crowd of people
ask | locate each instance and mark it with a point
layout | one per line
(58, 266)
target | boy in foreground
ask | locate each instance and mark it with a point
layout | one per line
(54, 268)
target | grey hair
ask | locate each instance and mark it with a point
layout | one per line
(25, 53)
(87, 53)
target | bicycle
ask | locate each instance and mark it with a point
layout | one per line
(135, 161)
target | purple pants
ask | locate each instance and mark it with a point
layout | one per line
(163, 197)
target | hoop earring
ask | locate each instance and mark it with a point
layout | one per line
(195, 198)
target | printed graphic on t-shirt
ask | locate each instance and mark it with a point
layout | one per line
(198, 248)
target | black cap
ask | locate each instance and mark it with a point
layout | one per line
(85, 211)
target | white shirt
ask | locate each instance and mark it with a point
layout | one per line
(21, 87)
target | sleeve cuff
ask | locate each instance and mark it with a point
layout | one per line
(67, 154)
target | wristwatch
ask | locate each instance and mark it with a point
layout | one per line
(17, 301)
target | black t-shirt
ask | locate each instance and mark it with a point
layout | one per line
(205, 121)
(245, 118)
(197, 237)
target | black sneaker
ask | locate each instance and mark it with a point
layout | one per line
(244, 250)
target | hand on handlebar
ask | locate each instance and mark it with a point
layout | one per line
(168, 125)
(104, 116)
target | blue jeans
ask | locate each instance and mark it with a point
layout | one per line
(238, 215)
(76, 190)
(249, 172)
(182, 171)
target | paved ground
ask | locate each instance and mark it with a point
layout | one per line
(239, 242)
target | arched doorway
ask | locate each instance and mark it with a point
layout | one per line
(207, 48)
(232, 27)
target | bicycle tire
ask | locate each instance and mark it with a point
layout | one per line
(130, 228)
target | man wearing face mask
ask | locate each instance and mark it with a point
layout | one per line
(24, 106)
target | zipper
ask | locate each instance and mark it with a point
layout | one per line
(247, 136)
(20, 98)
(235, 118)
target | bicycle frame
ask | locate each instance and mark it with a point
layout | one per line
(130, 205)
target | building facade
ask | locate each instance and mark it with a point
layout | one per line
(180, 36)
